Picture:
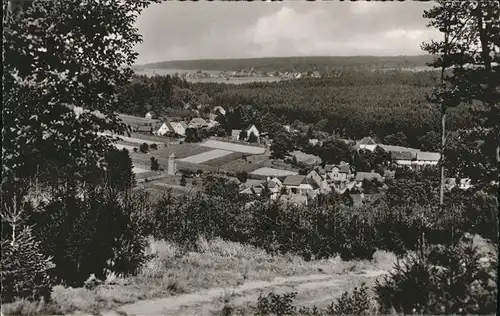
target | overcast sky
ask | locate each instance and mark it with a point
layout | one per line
(198, 30)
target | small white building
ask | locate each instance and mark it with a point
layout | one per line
(252, 129)
(219, 109)
(297, 184)
(149, 115)
(367, 143)
(164, 129)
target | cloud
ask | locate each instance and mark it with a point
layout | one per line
(195, 30)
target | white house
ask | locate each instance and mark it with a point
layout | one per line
(340, 173)
(367, 143)
(164, 129)
(149, 115)
(179, 128)
(252, 129)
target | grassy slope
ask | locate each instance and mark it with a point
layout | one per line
(293, 63)
(216, 264)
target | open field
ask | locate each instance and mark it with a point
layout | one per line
(198, 283)
(133, 139)
(209, 155)
(271, 172)
(221, 161)
(138, 170)
(181, 150)
(216, 144)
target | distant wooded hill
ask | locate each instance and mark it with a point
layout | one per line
(300, 64)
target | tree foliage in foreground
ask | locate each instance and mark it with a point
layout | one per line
(58, 55)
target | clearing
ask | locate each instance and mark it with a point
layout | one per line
(206, 156)
(271, 172)
(216, 144)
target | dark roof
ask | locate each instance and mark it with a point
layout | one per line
(403, 155)
(345, 168)
(329, 168)
(294, 180)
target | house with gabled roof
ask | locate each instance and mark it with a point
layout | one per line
(297, 184)
(367, 143)
(164, 129)
(320, 183)
(179, 128)
(252, 129)
(340, 173)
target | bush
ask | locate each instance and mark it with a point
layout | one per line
(135, 149)
(183, 181)
(92, 233)
(355, 303)
(144, 148)
(154, 164)
(442, 280)
(24, 268)
(153, 146)
(242, 176)
(276, 304)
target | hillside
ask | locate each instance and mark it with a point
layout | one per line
(295, 63)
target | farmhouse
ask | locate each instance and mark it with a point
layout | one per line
(340, 173)
(164, 129)
(320, 182)
(179, 128)
(294, 199)
(297, 185)
(367, 143)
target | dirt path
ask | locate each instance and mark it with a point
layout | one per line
(201, 302)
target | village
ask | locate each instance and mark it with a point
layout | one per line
(243, 157)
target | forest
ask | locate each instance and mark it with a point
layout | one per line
(300, 64)
(387, 105)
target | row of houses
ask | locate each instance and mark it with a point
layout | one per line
(322, 180)
(403, 156)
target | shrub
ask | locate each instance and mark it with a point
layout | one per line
(154, 164)
(91, 234)
(24, 268)
(144, 148)
(242, 176)
(183, 181)
(135, 149)
(276, 304)
(355, 303)
(441, 280)
(153, 146)
(194, 182)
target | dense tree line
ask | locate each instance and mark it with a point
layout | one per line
(354, 104)
(300, 64)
